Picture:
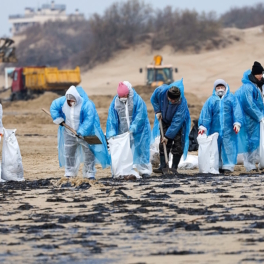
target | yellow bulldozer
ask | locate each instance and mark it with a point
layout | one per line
(157, 73)
(7, 51)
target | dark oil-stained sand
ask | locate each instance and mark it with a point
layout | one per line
(198, 218)
(190, 218)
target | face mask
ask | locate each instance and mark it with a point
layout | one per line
(123, 100)
(220, 92)
(175, 102)
(73, 104)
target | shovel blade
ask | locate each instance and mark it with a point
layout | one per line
(92, 140)
(166, 171)
(169, 171)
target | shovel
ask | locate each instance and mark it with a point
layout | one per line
(166, 170)
(92, 140)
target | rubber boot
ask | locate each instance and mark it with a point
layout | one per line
(145, 176)
(162, 165)
(175, 162)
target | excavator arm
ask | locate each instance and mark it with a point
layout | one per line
(7, 51)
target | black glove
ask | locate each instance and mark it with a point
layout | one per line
(79, 136)
(62, 123)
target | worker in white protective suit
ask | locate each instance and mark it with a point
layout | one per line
(128, 113)
(78, 112)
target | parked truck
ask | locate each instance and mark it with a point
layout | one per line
(157, 73)
(28, 81)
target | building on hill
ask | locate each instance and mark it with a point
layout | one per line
(45, 13)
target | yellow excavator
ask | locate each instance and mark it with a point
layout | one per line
(7, 51)
(157, 73)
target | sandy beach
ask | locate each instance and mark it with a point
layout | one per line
(188, 218)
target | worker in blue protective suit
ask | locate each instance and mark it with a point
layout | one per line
(78, 112)
(128, 113)
(250, 96)
(171, 107)
(222, 113)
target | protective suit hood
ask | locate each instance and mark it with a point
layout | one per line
(180, 85)
(245, 78)
(227, 91)
(128, 84)
(82, 93)
(219, 81)
(72, 91)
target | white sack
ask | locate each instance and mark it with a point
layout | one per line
(12, 168)
(154, 152)
(208, 155)
(1, 180)
(121, 156)
(261, 146)
(191, 163)
(240, 159)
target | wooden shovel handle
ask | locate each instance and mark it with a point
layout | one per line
(63, 124)
(164, 145)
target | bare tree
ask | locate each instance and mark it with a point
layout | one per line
(124, 24)
(244, 17)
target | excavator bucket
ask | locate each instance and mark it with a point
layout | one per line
(7, 51)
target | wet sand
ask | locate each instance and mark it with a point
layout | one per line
(165, 219)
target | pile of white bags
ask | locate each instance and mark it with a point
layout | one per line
(12, 168)
(121, 156)
(208, 156)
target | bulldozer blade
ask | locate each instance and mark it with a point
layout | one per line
(92, 140)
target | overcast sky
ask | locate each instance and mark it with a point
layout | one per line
(88, 7)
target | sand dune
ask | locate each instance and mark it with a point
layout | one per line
(198, 70)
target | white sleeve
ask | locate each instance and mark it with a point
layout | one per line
(202, 128)
(58, 120)
(1, 116)
(237, 123)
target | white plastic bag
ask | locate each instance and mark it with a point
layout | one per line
(1, 180)
(208, 155)
(240, 159)
(191, 163)
(154, 152)
(121, 156)
(12, 168)
(261, 146)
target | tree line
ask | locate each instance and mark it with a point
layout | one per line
(124, 24)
